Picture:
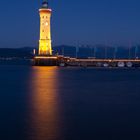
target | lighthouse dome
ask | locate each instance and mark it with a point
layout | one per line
(45, 4)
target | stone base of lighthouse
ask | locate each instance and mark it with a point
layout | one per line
(45, 61)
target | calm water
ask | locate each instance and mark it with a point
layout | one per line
(50, 103)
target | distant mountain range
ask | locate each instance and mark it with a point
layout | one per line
(97, 51)
(16, 52)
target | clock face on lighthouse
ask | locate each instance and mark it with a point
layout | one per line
(45, 22)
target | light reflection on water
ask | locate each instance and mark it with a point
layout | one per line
(45, 107)
(50, 103)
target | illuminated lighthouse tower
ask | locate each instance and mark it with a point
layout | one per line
(45, 48)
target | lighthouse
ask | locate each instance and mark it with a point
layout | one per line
(45, 47)
(45, 57)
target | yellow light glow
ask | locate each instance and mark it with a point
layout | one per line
(43, 57)
(45, 47)
(44, 104)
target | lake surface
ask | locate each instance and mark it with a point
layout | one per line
(50, 103)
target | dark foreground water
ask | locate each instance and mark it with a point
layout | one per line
(50, 103)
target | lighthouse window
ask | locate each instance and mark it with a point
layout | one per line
(43, 17)
(42, 30)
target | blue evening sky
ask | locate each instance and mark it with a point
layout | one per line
(112, 22)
